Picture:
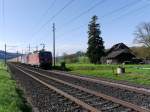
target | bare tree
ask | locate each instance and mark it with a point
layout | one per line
(142, 34)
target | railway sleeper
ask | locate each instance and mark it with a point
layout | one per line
(120, 109)
(98, 104)
(110, 106)
(85, 96)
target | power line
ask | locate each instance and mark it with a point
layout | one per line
(85, 12)
(110, 13)
(121, 8)
(50, 7)
(47, 11)
(55, 15)
(131, 12)
(61, 10)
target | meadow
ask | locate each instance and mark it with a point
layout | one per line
(11, 99)
(137, 74)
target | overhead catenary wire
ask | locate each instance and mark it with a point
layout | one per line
(121, 8)
(55, 15)
(131, 12)
(50, 7)
(47, 10)
(110, 13)
(85, 12)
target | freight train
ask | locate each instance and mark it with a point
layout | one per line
(42, 59)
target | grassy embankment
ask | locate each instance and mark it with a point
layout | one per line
(134, 73)
(11, 99)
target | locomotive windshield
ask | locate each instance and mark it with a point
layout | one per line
(45, 56)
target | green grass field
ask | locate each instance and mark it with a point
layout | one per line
(134, 73)
(10, 97)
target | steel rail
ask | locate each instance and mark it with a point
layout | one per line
(77, 101)
(115, 100)
(112, 84)
(92, 79)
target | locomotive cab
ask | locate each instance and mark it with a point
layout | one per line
(45, 58)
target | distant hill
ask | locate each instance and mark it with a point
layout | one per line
(8, 55)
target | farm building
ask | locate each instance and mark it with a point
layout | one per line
(147, 61)
(119, 53)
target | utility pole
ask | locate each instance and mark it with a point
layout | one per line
(54, 43)
(5, 55)
(29, 48)
(22, 56)
(17, 56)
(36, 48)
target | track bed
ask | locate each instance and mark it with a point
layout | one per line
(141, 98)
(83, 91)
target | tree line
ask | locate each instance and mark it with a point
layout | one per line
(96, 49)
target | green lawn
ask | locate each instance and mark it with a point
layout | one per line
(134, 73)
(10, 98)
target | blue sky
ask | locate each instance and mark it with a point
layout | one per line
(29, 21)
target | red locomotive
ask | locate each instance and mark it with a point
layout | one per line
(42, 59)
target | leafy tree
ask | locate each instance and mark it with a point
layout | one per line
(79, 53)
(95, 42)
(143, 34)
(142, 52)
(65, 56)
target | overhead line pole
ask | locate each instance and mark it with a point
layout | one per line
(29, 48)
(54, 44)
(36, 48)
(22, 56)
(17, 56)
(3, 17)
(5, 54)
(54, 16)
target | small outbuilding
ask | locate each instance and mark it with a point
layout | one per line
(119, 53)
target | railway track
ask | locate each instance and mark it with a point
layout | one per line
(46, 98)
(87, 99)
(137, 96)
